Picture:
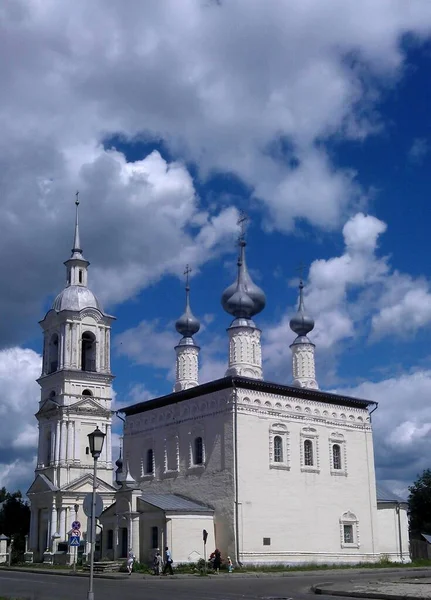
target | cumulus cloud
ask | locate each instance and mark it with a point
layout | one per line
(401, 424)
(19, 401)
(418, 150)
(258, 100)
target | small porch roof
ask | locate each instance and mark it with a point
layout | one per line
(174, 503)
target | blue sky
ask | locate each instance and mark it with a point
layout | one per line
(312, 117)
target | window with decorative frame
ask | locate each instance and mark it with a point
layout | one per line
(310, 450)
(149, 465)
(196, 459)
(337, 454)
(279, 455)
(172, 457)
(349, 530)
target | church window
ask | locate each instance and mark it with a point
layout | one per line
(348, 534)
(349, 530)
(336, 456)
(150, 462)
(53, 354)
(87, 393)
(155, 537)
(198, 454)
(266, 541)
(48, 447)
(80, 275)
(308, 453)
(88, 352)
(278, 449)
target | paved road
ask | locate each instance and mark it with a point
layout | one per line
(33, 586)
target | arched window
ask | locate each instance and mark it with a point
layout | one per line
(278, 449)
(48, 448)
(87, 393)
(336, 456)
(308, 453)
(150, 462)
(198, 451)
(80, 275)
(88, 351)
(53, 354)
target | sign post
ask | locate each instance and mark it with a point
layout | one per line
(204, 537)
(74, 540)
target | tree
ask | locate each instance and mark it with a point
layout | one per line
(14, 520)
(420, 504)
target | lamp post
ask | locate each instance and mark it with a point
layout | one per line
(75, 550)
(96, 439)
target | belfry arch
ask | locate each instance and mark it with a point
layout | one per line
(88, 351)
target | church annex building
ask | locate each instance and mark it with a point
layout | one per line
(274, 473)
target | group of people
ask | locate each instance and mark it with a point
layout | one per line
(216, 561)
(158, 567)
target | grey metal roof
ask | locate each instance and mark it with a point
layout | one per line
(3, 537)
(248, 384)
(385, 495)
(173, 502)
(76, 297)
(427, 537)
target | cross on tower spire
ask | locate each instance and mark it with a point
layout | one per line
(242, 223)
(187, 272)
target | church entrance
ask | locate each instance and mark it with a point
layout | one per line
(124, 548)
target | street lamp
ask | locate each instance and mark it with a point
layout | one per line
(96, 439)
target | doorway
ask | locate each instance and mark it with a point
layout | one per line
(124, 545)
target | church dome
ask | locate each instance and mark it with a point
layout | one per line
(187, 325)
(243, 299)
(301, 323)
(76, 297)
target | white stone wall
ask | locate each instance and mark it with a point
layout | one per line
(173, 429)
(184, 537)
(389, 532)
(245, 352)
(298, 507)
(187, 367)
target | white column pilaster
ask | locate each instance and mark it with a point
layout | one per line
(53, 525)
(69, 441)
(134, 541)
(52, 443)
(57, 443)
(109, 444)
(76, 441)
(62, 526)
(63, 442)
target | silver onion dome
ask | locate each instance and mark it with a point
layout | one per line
(243, 299)
(301, 323)
(187, 325)
(76, 297)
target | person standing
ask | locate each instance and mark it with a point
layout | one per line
(158, 562)
(130, 560)
(229, 564)
(168, 562)
(217, 560)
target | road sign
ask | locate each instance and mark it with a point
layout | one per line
(76, 532)
(88, 500)
(74, 540)
(76, 525)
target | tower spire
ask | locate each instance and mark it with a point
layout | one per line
(244, 299)
(187, 350)
(303, 367)
(76, 241)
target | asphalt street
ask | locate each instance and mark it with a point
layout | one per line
(33, 586)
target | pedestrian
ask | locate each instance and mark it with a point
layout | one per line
(217, 560)
(157, 563)
(130, 560)
(168, 562)
(229, 564)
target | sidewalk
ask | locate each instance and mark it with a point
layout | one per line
(412, 574)
(416, 588)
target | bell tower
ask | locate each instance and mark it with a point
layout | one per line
(76, 397)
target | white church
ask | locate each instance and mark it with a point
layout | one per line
(273, 473)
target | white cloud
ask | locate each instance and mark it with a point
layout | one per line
(401, 424)
(418, 150)
(223, 95)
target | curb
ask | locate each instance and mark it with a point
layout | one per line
(63, 573)
(319, 589)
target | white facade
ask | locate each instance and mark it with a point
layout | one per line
(76, 396)
(288, 472)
